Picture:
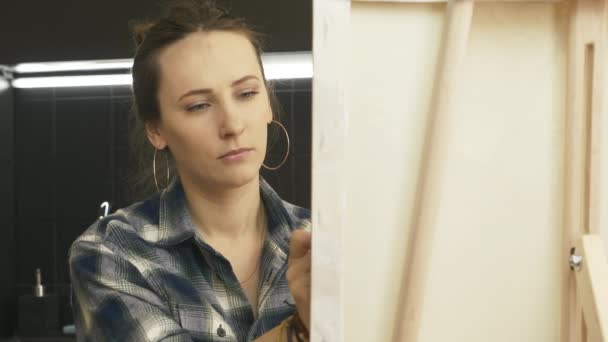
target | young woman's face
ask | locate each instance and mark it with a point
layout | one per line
(213, 103)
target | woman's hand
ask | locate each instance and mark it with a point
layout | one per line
(298, 273)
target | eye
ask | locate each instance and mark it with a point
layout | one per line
(248, 94)
(197, 107)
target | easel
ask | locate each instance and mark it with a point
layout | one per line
(587, 296)
(584, 292)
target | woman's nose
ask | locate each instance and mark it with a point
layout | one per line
(232, 122)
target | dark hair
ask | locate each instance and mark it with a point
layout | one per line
(181, 18)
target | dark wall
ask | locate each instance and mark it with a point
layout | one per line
(7, 209)
(60, 30)
(72, 155)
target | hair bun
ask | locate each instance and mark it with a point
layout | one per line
(140, 31)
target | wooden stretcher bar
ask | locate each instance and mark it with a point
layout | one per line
(452, 54)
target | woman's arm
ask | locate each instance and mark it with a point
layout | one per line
(298, 278)
(298, 273)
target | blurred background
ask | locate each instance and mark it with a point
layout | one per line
(64, 149)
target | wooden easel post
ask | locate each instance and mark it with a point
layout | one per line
(590, 270)
(585, 110)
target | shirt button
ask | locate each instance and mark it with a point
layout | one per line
(221, 332)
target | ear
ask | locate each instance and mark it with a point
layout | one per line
(272, 101)
(154, 133)
(269, 116)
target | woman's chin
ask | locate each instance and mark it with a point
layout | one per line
(240, 176)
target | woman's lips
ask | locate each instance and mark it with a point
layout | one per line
(237, 154)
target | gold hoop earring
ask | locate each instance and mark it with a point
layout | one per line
(154, 169)
(286, 155)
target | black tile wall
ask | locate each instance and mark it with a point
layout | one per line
(292, 180)
(122, 161)
(120, 123)
(83, 92)
(284, 110)
(302, 179)
(34, 157)
(35, 249)
(72, 154)
(83, 141)
(302, 124)
(7, 162)
(121, 91)
(8, 302)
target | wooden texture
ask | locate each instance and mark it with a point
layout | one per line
(526, 242)
(591, 283)
(455, 38)
(585, 108)
(330, 51)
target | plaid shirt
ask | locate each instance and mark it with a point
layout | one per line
(142, 274)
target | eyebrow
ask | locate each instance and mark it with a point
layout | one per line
(207, 90)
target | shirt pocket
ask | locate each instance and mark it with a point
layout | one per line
(203, 323)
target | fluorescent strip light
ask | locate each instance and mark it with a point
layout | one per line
(72, 81)
(287, 65)
(3, 84)
(277, 66)
(73, 66)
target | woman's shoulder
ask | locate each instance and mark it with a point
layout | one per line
(124, 225)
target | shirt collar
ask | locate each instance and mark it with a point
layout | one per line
(175, 221)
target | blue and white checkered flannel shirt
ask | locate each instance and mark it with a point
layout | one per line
(142, 274)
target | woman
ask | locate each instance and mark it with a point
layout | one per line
(215, 255)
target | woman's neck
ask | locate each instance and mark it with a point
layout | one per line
(228, 215)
